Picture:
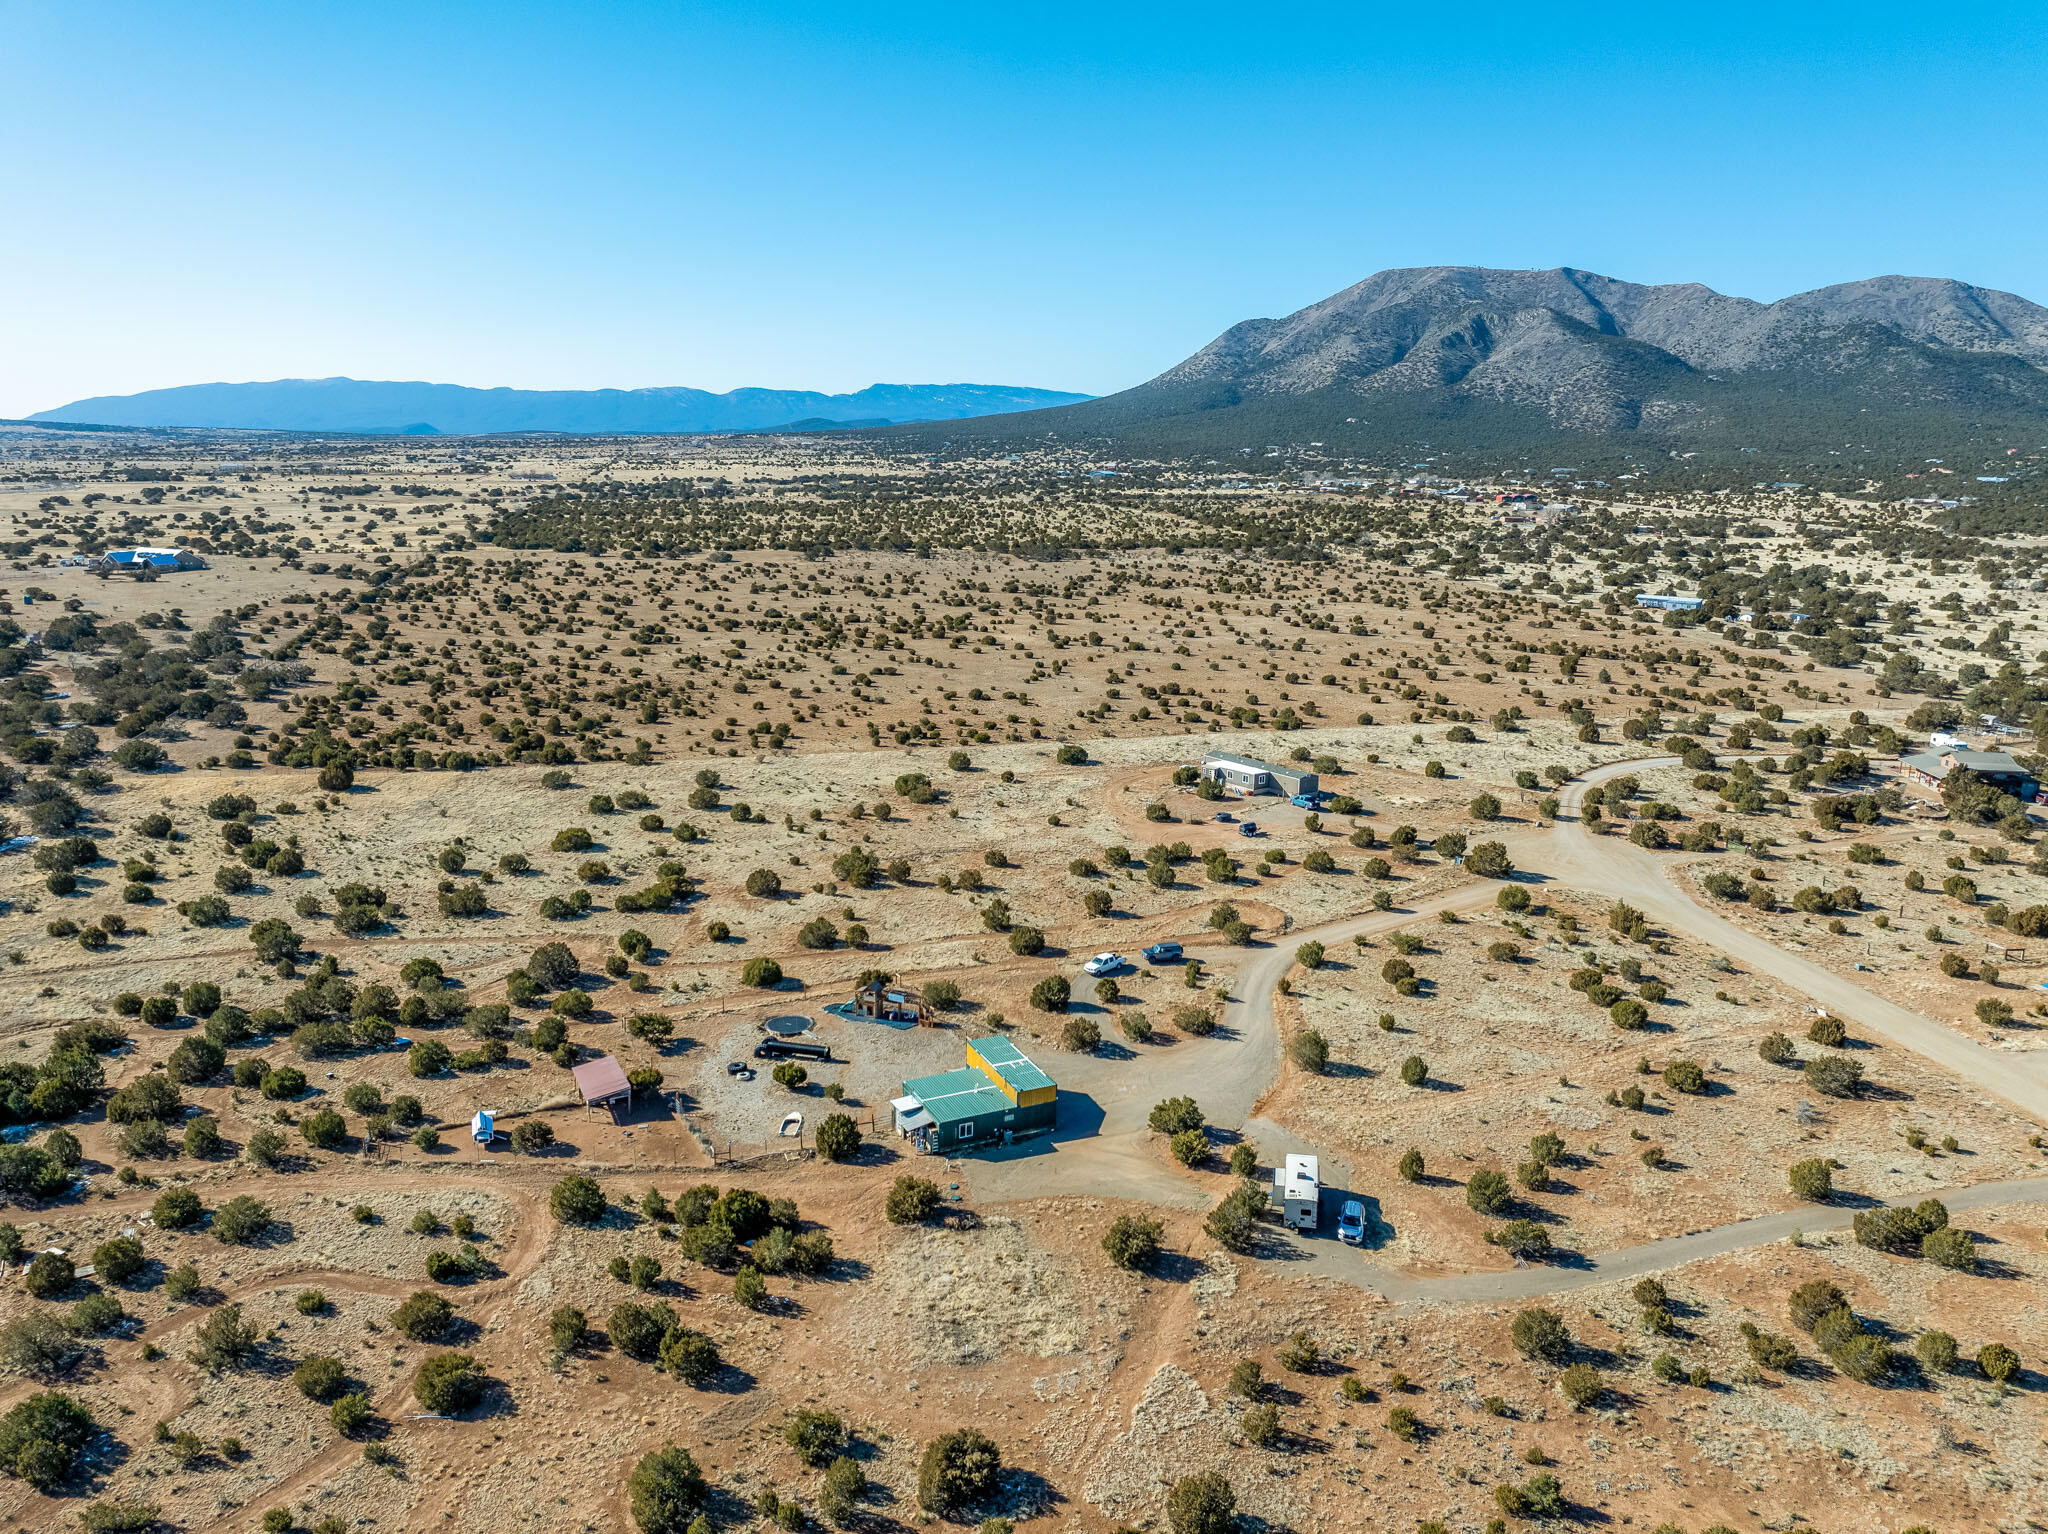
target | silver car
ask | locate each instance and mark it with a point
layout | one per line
(1351, 1223)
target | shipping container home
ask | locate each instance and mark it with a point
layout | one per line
(997, 1097)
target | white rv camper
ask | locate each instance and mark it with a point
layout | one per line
(1297, 1192)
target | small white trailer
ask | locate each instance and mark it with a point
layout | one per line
(1297, 1192)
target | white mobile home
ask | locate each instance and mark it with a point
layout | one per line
(1249, 775)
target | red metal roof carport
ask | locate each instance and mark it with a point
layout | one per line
(602, 1082)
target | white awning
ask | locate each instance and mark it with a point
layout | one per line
(906, 1104)
(918, 1120)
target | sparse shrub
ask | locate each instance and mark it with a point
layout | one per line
(1202, 1504)
(1310, 1050)
(1233, 1223)
(1261, 1425)
(749, 1288)
(1580, 1384)
(1685, 1076)
(1487, 1192)
(1769, 1350)
(1937, 1350)
(1300, 1354)
(422, 1317)
(1541, 1334)
(240, 1221)
(957, 1470)
(351, 1414)
(448, 1383)
(320, 1378)
(911, 1200)
(816, 1437)
(1813, 1179)
(224, 1340)
(577, 1200)
(1948, 1247)
(1132, 1242)
(1834, 1075)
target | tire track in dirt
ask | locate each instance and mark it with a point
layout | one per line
(532, 1231)
(528, 1248)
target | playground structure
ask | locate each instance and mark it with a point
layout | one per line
(885, 1001)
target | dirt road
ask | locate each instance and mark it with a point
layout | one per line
(1229, 1073)
(1328, 1259)
(1612, 866)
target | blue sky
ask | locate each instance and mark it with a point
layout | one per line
(824, 196)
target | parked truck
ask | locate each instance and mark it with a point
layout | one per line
(1297, 1192)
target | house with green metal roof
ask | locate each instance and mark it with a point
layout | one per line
(1000, 1095)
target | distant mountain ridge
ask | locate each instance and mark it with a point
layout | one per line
(355, 405)
(1494, 357)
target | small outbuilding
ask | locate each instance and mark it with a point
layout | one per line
(602, 1084)
(1249, 775)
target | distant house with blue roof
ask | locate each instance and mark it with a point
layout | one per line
(128, 561)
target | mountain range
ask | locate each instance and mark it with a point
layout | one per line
(1452, 357)
(1468, 356)
(358, 405)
